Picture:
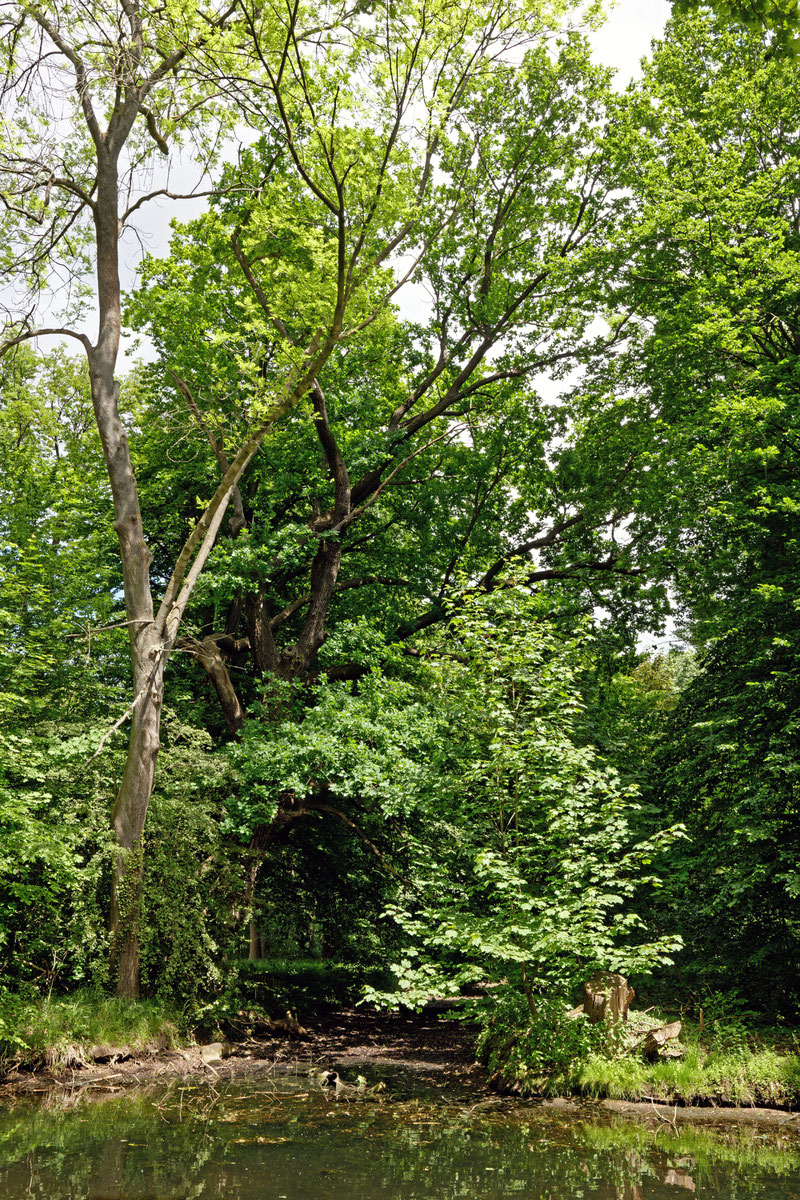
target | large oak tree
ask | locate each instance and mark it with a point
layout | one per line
(373, 124)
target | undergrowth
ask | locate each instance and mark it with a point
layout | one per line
(556, 1053)
(60, 1030)
(305, 985)
(744, 1078)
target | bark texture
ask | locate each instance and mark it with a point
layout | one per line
(606, 997)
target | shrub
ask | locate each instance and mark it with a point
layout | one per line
(535, 1053)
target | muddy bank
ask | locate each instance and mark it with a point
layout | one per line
(430, 1050)
(438, 1052)
(660, 1115)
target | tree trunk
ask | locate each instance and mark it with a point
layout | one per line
(148, 651)
(655, 1044)
(208, 653)
(606, 997)
(255, 940)
(129, 813)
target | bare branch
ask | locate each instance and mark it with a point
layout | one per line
(35, 333)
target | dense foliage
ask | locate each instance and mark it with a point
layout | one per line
(406, 718)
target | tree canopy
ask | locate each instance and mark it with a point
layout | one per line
(471, 371)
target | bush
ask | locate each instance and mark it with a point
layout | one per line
(535, 1053)
(192, 876)
(305, 985)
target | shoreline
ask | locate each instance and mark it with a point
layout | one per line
(438, 1052)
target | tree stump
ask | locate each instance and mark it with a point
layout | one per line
(606, 997)
(655, 1044)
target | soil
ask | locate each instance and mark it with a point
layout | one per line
(437, 1051)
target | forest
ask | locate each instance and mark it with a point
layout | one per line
(399, 565)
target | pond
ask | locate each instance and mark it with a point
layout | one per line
(281, 1138)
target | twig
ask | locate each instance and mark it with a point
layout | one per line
(673, 1121)
(106, 628)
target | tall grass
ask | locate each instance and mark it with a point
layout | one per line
(743, 1077)
(57, 1031)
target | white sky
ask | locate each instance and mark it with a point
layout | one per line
(625, 38)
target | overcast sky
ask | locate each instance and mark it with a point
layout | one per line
(625, 38)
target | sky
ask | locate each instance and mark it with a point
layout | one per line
(625, 38)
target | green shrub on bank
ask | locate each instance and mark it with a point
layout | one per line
(555, 1053)
(305, 985)
(57, 1031)
(534, 1053)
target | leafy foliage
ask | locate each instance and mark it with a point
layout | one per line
(536, 1052)
(533, 848)
(727, 766)
(389, 722)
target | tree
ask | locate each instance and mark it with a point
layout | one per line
(713, 161)
(533, 849)
(423, 454)
(777, 18)
(56, 569)
(84, 90)
(707, 384)
(147, 76)
(727, 767)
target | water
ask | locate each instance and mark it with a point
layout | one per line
(280, 1139)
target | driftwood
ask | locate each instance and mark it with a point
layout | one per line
(655, 1044)
(102, 1053)
(606, 997)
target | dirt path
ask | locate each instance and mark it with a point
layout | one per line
(428, 1047)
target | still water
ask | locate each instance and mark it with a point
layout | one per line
(281, 1139)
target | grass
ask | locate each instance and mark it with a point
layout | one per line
(59, 1031)
(740, 1077)
(725, 1063)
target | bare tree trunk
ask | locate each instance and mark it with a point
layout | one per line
(127, 821)
(130, 807)
(147, 648)
(255, 940)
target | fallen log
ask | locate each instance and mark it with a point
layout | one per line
(655, 1044)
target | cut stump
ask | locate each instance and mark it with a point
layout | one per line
(606, 997)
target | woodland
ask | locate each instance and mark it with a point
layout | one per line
(336, 536)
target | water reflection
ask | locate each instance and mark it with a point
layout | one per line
(283, 1141)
